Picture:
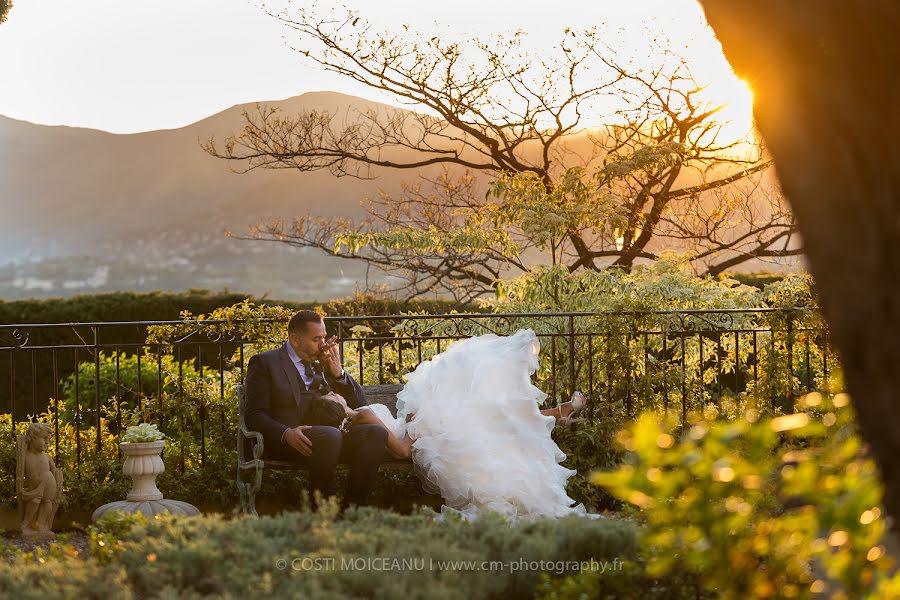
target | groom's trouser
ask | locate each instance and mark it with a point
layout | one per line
(362, 448)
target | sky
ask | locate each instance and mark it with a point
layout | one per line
(127, 66)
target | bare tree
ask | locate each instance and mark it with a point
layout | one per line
(424, 210)
(492, 110)
(826, 102)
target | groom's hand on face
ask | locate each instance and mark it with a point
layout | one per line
(296, 439)
(330, 358)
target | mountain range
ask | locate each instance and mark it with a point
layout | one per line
(87, 210)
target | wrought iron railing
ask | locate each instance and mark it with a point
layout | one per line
(627, 361)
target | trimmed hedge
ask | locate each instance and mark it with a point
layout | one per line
(33, 387)
(116, 306)
(367, 553)
(161, 306)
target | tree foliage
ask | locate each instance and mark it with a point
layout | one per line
(5, 6)
(588, 160)
(760, 507)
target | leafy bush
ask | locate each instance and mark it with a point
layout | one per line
(631, 581)
(359, 555)
(116, 306)
(590, 446)
(126, 384)
(641, 358)
(163, 306)
(788, 506)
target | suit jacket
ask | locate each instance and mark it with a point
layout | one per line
(277, 399)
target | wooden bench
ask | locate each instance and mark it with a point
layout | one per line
(250, 446)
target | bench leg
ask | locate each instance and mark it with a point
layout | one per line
(249, 489)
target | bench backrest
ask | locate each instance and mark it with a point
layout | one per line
(383, 394)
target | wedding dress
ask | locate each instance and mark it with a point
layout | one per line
(480, 439)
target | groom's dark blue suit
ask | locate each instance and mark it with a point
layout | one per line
(278, 399)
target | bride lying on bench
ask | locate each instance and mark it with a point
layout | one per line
(469, 419)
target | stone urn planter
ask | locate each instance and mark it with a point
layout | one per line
(144, 463)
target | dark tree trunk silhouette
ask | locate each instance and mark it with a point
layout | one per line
(824, 75)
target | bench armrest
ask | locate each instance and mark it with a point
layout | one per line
(245, 433)
(256, 441)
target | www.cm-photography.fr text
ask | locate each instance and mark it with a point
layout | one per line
(361, 563)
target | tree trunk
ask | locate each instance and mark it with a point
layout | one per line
(826, 100)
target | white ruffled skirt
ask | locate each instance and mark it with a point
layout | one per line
(481, 442)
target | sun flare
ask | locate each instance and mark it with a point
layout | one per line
(721, 86)
(736, 115)
(682, 44)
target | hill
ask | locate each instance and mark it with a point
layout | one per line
(87, 210)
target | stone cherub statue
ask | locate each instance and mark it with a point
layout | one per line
(38, 481)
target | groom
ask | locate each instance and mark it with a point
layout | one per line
(280, 387)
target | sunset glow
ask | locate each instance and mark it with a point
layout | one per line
(738, 110)
(103, 66)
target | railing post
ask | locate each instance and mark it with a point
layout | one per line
(340, 337)
(179, 402)
(55, 403)
(12, 385)
(683, 378)
(790, 360)
(140, 387)
(628, 404)
(77, 413)
(97, 386)
(119, 397)
(241, 358)
(571, 356)
(202, 407)
(34, 409)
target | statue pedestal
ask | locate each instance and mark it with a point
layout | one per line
(143, 464)
(32, 534)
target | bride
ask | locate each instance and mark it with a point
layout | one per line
(469, 420)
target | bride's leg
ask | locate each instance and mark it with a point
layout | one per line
(558, 412)
(395, 446)
(564, 410)
(555, 412)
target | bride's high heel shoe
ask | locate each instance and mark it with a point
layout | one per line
(577, 403)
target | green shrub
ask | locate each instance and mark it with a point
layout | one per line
(590, 446)
(118, 387)
(695, 359)
(162, 306)
(326, 557)
(631, 581)
(115, 306)
(759, 507)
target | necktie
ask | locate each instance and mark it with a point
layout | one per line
(318, 383)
